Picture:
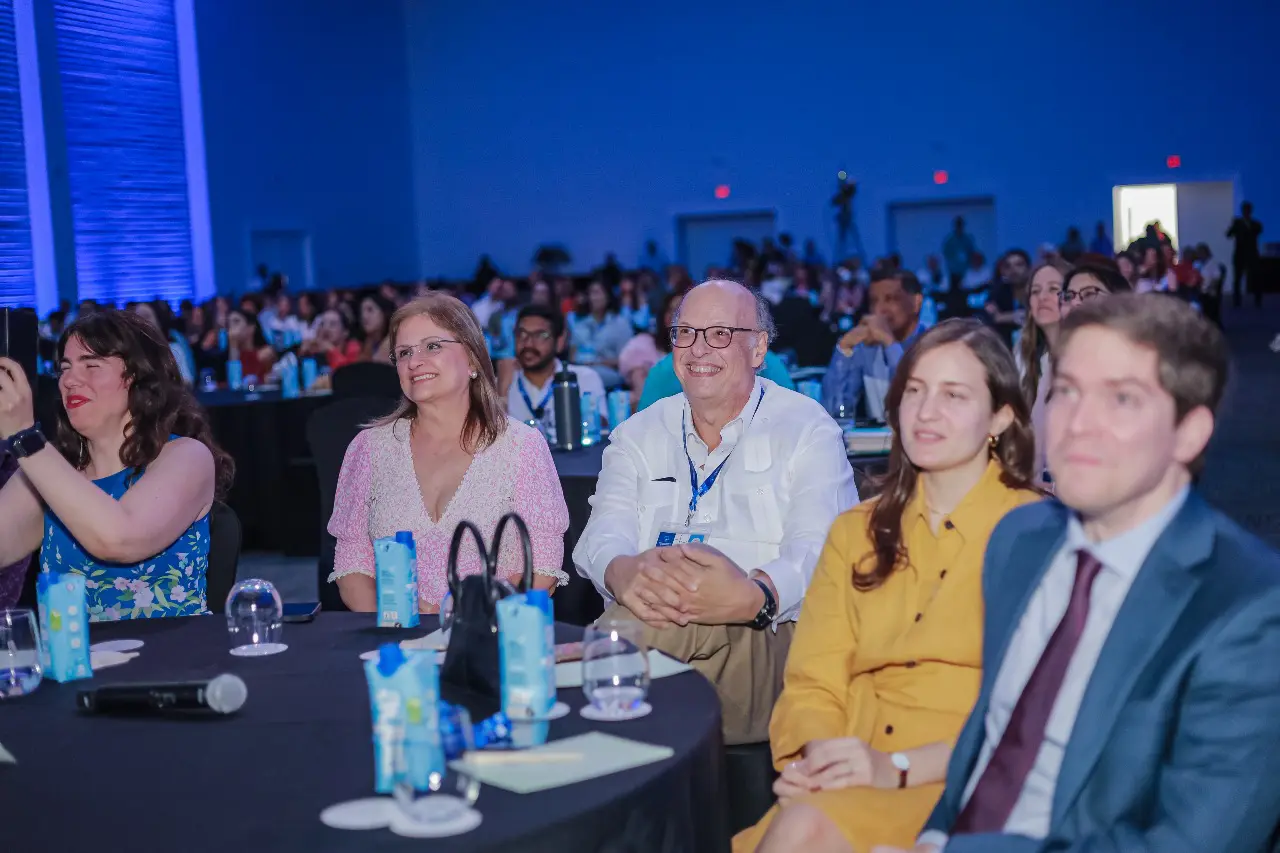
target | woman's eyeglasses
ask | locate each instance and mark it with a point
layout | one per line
(426, 349)
(1082, 296)
(717, 337)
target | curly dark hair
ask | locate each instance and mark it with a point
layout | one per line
(160, 405)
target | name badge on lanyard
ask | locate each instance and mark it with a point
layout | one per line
(541, 409)
(691, 533)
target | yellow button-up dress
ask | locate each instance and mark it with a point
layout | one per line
(897, 667)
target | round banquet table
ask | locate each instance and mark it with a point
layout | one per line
(258, 780)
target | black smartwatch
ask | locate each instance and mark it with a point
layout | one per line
(27, 442)
(768, 611)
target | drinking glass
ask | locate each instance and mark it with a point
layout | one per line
(615, 666)
(255, 619)
(437, 803)
(21, 653)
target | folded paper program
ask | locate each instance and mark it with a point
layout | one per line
(593, 755)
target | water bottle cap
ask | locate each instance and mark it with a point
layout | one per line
(566, 375)
(404, 537)
(390, 659)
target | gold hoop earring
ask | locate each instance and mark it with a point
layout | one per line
(992, 441)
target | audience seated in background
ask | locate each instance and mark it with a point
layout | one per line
(375, 322)
(1039, 331)
(121, 493)
(447, 454)
(598, 333)
(867, 356)
(1130, 699)
(712, 505)
(887, 656)
(646, 349)
(247, 344)
(331, 341)
(539, 335)
(1087, 282)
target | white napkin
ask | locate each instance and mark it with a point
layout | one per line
(6, 757)
(571, 760)
(660, 666)
(104, 658)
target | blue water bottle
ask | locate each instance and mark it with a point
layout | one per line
(619, 408)
(309, 373)
(222, 340)
(234, 376)
(590, 419)
(289, 381)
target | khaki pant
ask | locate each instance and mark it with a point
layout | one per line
(744, 665)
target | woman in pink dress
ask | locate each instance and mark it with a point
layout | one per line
(447, 454)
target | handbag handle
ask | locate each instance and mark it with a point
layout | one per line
(489, 557)
(455, 583)
(526, 547)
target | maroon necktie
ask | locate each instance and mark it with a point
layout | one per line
(1001, 783)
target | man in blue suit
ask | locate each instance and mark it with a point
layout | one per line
(1131, 689)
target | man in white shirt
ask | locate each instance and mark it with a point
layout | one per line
(713, 505)
(540, 334)
(1131, 689)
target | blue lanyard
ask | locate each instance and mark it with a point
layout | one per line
(700, 491)
(541, 408)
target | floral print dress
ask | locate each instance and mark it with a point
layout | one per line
(172, 583)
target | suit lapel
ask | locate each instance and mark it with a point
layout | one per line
(1160, 592)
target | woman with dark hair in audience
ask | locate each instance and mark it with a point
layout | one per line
(1153, 272)
(375, 325)
(122, 490)
(1039, 331)
(887, 656)
(1125, 264)
(599, 333)
(247, 344)
(158, 315)
(643, 351)
(1086, 282)
(331, 341)
(447, 453)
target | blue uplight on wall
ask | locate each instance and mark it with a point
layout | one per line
(17, 282)
(126, 163)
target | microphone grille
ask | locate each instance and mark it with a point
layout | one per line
(226, 694)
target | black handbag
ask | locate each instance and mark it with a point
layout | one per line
(471, 675)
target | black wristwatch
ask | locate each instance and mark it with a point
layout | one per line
(768, 611)
(27, 442)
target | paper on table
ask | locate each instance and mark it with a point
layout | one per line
(602, 755)
(103, 659)
(6, 757)
(660, 666)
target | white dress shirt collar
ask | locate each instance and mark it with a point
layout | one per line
(1127, 552)
(730, 434)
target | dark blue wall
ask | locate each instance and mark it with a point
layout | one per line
(307, 128)
(597, 123)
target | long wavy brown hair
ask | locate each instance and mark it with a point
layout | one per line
(1014, 449)
(486, 419)
(1032, 343)
(160, 404)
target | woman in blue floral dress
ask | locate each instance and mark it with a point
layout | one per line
(121, 491)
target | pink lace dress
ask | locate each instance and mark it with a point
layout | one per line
(378, 495)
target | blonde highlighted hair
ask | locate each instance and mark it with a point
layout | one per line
(486, 418)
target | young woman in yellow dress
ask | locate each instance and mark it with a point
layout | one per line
(887, 655)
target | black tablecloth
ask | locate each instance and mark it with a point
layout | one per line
(257, 781)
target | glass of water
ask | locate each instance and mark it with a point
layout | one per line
(20, 653)
(615, 666)
(255, 619)
(435, 801)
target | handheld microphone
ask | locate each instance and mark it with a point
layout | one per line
(224, 694)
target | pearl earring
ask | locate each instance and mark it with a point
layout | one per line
(474, 374)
